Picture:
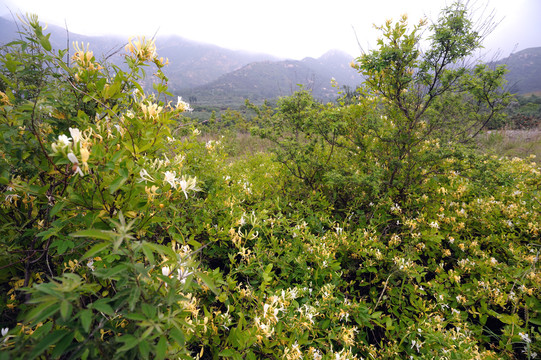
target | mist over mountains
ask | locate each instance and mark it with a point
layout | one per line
(212, 74)
(206, 74)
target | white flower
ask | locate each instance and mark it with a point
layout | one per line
(183, 274)
(187, 185)
(76, 135)
(525, 337)
(416, 344)
(434, 225)
(166, 271)
(171, 178)
(90, 264)
(62, 143)
(73, 158)
(5, 331)
(181, 105)
(196, 132)
(10, 197)
(75, 162)
(145, 176)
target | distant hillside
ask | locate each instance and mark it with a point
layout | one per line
(524, 71)
(191, 63)
(214, 75)
(270, 79)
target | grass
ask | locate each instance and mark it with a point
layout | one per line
(512, 143)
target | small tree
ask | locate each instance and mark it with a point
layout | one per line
(426, 96)
(301, 128)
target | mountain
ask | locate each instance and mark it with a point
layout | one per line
(259, 81)
(214, 75)
(191, 63)
(524, 74)
(194, 64)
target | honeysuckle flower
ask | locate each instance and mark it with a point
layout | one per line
(151, 111)
(166, 271)
(10, 197)
(183, 275)
(90, 264)
(83, 57)
(4, 99)
(186, 185)
(5, 331)
(525, 337)
(120, 129)
(170, 177)
(76, 135)
(85, 154)
(151, 192)
(75, 162)
(145, 176)
(141, 48)
(62, 143)
(182, 105)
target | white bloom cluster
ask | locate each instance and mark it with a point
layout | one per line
(66, 147)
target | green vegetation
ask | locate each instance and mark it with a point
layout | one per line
(369, 228)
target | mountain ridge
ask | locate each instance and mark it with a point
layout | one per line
(524, 70)
(208, 74)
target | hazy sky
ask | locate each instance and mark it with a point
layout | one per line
(285, 28)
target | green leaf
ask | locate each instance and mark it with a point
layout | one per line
(208, 281)
(135, 294)
(116, 184)
(65, 309)
(178, 336)
(63, 344)
(42, 330)
(94, 233)
(135, 316)
(101, 305)
(161, 348)
(96, 249)
(46, 342)
(42, 312)
(44, 41)
(148, 251)
(86, 319)
(144, 349)
(129, 341)
(62, 245)
(109, 273)
(227, 353)
(56, 208)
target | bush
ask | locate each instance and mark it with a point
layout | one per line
(124, 235)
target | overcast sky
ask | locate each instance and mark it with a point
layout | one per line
(285, 28)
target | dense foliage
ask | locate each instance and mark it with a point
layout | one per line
(368, 231)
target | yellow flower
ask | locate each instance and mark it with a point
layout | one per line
(4, 100)
(151, 111)
(151, 192)
(84, 57)
(141, 48)
(85, 154)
